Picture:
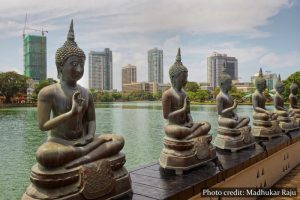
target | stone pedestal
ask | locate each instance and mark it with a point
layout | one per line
(266, 129)
(101, 180)
(234, 139)
(182, 155)
(288, 124)
(297, 115)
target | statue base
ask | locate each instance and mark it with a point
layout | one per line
(266, 129)
(102, 180)
(182, 155)
(288, 124)
(234, 139)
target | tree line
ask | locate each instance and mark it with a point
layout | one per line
(14, 85)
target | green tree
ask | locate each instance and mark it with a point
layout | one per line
(288, 83)
(12, 83)
(191, 87)
(43, 84)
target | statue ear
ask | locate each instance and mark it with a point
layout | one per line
(59, 71)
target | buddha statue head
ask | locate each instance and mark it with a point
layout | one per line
(260, 82)
(70, 54)
(294, 87)
(178, 73)
(225, 80)
(279, 86)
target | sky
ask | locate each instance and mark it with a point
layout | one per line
(259, 33)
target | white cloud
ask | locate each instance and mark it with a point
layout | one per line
(281, 61)
(128, 16)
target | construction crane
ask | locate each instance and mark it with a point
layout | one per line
(33, 29)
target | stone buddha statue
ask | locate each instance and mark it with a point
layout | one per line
(287, 121)
(74, 163)
(187, 143)
(234, 133)
(293, 100)
(265, 122)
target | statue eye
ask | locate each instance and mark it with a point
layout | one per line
(74, 64)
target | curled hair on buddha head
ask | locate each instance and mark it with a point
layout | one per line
(279, 83)
(224, 76)
(69, 48)
(177, 68)
(260, 79)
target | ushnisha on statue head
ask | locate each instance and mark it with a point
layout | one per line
(69, 49)
(176, 70)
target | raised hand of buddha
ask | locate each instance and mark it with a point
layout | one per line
(235, 103)
(77, 103)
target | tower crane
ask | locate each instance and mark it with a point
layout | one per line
(33, 29)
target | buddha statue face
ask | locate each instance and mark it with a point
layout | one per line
(180, 80)
(261, 86)
(72, 69)
(225, 82)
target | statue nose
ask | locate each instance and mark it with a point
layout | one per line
(78, 68)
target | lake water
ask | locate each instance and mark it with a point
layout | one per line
(141, 124)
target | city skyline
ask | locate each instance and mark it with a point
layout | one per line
(261, 34)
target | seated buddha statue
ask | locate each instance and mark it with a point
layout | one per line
(66, 110)
(265, 122)
(293, 100)
(286, 119)
(234, 133)
(182, 131)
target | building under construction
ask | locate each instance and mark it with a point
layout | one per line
(35, 57)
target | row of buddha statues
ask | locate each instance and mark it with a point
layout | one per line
(75, 164)
(187, 143)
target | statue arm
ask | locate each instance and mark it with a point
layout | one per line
(44, 110)
(91, 117)
(220, 107)
(166, 102)
(276, 102)
(256, 107)
(293, 102)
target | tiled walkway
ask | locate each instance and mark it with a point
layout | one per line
(291, 180)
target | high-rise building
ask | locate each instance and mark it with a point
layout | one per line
(215, 67)
(155, 65)
(35, 57)
(128, 74)
(101, 70)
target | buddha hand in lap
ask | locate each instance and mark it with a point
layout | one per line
(226, 106)
(72, 141)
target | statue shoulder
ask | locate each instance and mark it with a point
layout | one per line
(167, 94)
(47, 93)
